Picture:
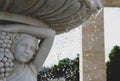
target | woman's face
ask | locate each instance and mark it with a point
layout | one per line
(25, 50)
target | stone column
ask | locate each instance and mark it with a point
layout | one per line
(112, 3)
(93, 49)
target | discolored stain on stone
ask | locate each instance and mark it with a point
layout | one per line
(2, 3)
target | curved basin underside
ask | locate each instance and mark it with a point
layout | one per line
(60, 15)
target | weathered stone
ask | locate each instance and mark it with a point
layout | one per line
(29, 20)
(61, 15)
(111, 3)
(93, 49)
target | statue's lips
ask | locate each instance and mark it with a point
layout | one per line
(25, 56)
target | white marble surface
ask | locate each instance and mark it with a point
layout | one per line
(45, 17)
(60, 15)
(28, 55)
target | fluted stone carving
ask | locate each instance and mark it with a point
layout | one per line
(60, 15)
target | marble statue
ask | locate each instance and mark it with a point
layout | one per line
(28, 28)
(30, 48)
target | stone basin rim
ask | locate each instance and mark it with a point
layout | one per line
(6, 16)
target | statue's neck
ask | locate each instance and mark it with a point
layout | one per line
(18, 67)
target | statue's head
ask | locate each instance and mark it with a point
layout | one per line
(25, 48)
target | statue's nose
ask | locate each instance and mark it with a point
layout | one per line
(27, 50)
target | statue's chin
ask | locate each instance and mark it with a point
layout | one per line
(22, 61)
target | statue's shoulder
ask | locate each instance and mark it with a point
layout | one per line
(33, 68)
